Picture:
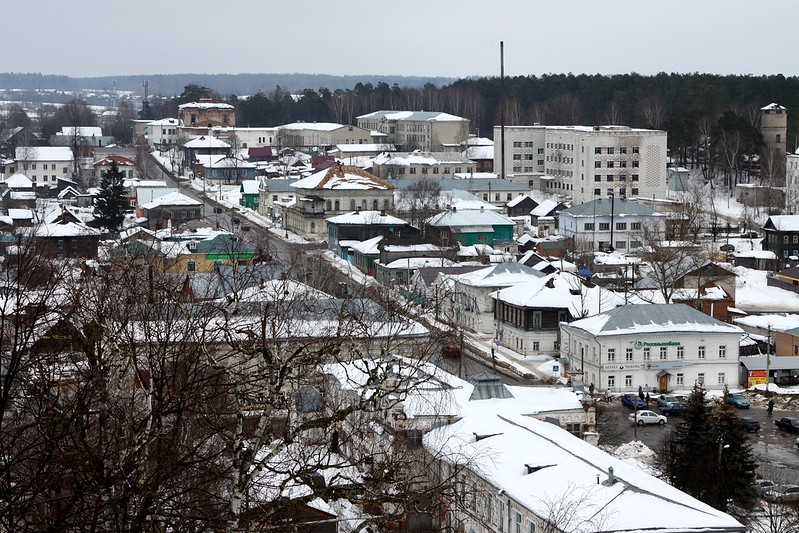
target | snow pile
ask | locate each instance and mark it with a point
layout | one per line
(638, 454)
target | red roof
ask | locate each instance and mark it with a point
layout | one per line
(118, 159)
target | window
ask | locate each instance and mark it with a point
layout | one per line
(700, 379)
(635, 149)
(722, 352)
(634, 192)
(622, 149)
(597, 177)
(536, 346)
(623, 164)
(517, 157)
(722, 378)
(588, 226)
(635, 177)
(535, 319)
(191, 266)
(424, 170)
(663, 353)
(33, 166)
(598, 192)
(597, 164)
(489, 507)
(518, 522)
(628, 381)
(610, 192)
(501, 516)
(700, 352)
(611, 381)
(622, 177)
(635, 225)
(611, 355)
(610, 177)
(604, 226)
(796, 239)
(413, 170)
(597, 150)
(610, 164)
(517, 144)
(610, 151)
(531, 526)
(680, 352)
(621, 245)
(435, 170)
(680, 379)
(621, 225)
(647, 354)
(628, 355)
(636, 164)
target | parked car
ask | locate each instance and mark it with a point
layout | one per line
(738, 400)
(676, 408)
(750, 424)
(788, 424)
(796, 442)
(647, 417)
(450, 350)
(763, 485)
(665, 400)
(631, 400)
(782, 493)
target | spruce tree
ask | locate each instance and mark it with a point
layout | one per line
(709, 456)
(110, 204)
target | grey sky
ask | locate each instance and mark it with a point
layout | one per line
(407, 37)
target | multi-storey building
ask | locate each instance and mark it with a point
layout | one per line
(653, 346)
(605, 222)
(420, 165)
(44, 163)
(792, 183)
(429, 131)
(782, 236)
(584, 163)
(321, 136)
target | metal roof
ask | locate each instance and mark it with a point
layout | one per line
(602, 207)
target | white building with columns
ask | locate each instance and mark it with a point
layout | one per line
(655, 346)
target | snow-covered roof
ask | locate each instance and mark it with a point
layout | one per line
(517, 200)
(560, 291)
(756, 254)
(365, 218)
(81, 131)
(19, 181)
(367, 147)
(784, 222)
(70, 229)
(173, 198)
(544, 208)
(479, 152)
(205, 105)
(538, 465)
(313, 126)
(652, 318)
(342, 177)
(421, 158)
(775, 322)
(118, 159)
(204, 141)
(250, 186)
(419, 262)
(772, 106)
(428, 116)
(164, 122)
(500, 275)
(43, 153)
(470, 218)
(20, 214)
(369, 246)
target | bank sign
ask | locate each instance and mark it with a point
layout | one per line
(641, 344)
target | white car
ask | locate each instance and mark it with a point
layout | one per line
(647, 417)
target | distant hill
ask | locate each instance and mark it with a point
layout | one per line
(225, 84)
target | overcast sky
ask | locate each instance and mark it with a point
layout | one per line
(405, 37)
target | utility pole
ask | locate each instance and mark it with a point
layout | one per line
(502, 107)
(768, 357)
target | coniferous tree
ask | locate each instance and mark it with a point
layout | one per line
(709, 456)
(110, 203)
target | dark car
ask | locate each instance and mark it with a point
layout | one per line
(675, 408)
(750, 424)
(450, 350)
(788, 424)
(630, 400)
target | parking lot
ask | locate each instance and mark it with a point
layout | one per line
(774, 449)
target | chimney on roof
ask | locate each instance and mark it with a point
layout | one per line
(550, 283)
(611, 480)
(481, 208)
(382, 212)
(454, 208)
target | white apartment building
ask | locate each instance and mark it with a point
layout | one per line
(320, 135)
(163, 133)
(584, 163)
(792, 183)
(429, 131)
(43, 164)
(654, 346)
(248, 137)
